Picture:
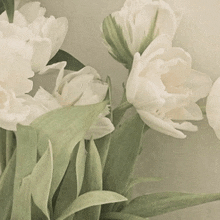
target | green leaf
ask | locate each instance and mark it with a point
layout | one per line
(68, 188)
(9, 7)
(151, 35)
(113, 35)
(104, 142)
(41, 178)
(92, 198)
(2, 149)
(72, 63)
(120, 216)
(26, 158)
(80, 166)
(122, 154)
(123, 151)
(2, 8)
(92, 181)
(65, 127)
(160, 203)
(6, 189)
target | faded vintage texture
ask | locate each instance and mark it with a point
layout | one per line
(189, 165)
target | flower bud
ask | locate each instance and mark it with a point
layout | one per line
(135, 26)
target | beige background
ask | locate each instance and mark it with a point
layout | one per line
(189, 165)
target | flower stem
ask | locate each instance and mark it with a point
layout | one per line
(10, 145)
(2, 150)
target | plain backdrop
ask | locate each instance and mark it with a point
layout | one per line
(189, 165)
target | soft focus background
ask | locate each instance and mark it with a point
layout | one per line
(189, 165)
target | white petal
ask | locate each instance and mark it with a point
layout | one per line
(186, 126)
(12, 110)
(55, 30)
(199, 83)
(160, 125)
(100, 128)
(132, 82)
(213, 108)
(32, 10)
(41, 53)
(190, 112)
(46, 99)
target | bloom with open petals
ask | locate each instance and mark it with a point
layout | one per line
(83, 87)
(163, 87)
(44, 35)
(135, 26)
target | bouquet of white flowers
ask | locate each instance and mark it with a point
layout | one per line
(66, 154)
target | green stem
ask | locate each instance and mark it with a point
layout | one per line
(2, 150)
(10, 145)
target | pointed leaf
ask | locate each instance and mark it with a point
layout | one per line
(124, 149)
(26, 158)
(80, 166)
(6, 189)
(65, 127)
(41, 178)
(89, 199)
(9, 7)
(68, 188)
(92, 181)
(160, 203)
(72, 63)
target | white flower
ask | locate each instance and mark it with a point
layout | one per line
(213, 107)
(77, 88)
(135, 26)
(163, 87)
(12, 109)
(15, 71)
(44, 35)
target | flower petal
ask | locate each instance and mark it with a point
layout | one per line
(159, 124)
(213, 107)
(199, 83)
(100, 128)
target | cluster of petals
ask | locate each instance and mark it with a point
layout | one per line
(83, 87)
(44, 35)
(15, 71)
(163, 87)
(132, 29)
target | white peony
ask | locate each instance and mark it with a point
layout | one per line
(163, 87)
(135, 26)
(213, 107)
(77, 88)
(44, 35)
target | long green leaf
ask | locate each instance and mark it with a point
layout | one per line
(160, 203)
(65, 127)
(41, 178)
(26, 158)
(6, 189)
(68, 188)
(72, 63)
(89, 199)
(9, 7)
(123, 151)
(92, 181)
(80, 166)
